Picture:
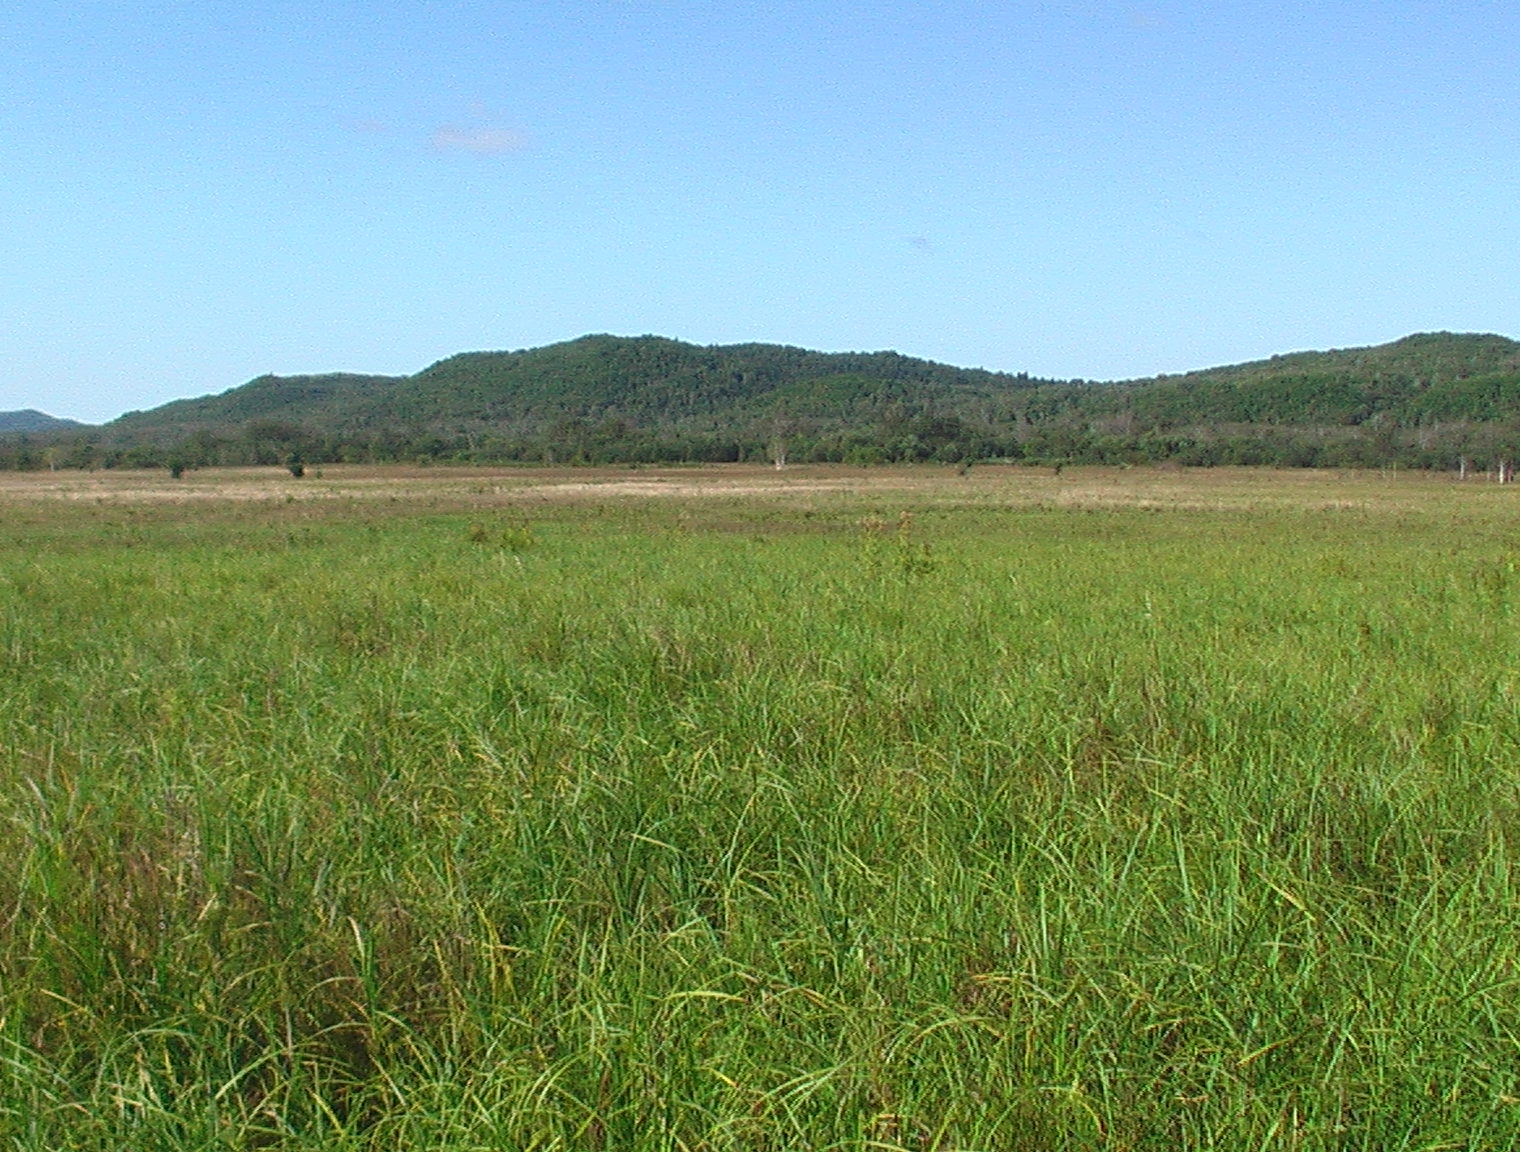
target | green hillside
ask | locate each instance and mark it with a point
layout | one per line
(598, 398)
(648, 382)
(1431, 400)
(1433, 376)
(331, 401)
(31, 420)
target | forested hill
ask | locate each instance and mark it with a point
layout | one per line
(597, 399)
(1415, 381)
(31, 420)
(335, 401)
(1429, 400)
(645, 383)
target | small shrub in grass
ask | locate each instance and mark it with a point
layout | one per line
(914, 558)
(517, 538)
(514, 537)
(900, 554)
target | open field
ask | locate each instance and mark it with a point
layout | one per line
(734, 809)
(997, 486)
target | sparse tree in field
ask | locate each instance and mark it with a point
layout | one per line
(783, 427)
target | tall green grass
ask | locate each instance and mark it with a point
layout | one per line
(708, 826)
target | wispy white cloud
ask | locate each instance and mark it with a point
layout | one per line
(480, 140)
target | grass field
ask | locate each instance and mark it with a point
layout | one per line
(732, 809)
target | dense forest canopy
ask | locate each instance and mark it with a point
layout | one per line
(1434, 400)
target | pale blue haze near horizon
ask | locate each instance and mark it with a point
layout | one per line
(192, 194)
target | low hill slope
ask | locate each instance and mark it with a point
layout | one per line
(31, 420)
(1421, 378)
(335, 400)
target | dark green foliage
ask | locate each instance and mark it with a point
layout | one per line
(1427, 401)
(1433, 376)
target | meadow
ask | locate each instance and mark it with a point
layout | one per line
(728, 809)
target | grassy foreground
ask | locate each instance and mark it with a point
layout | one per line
(1026, 820)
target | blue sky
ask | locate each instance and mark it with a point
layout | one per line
(196, 192)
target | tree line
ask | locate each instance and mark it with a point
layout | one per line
(923, 437)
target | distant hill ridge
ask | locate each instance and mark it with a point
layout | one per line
(644, 381)
(31, 420)
(1431, 400)
(1421, 378)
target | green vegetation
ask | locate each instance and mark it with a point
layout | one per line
(1107, 811)
(599, 399)
(1435, 401)
(30, 420)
